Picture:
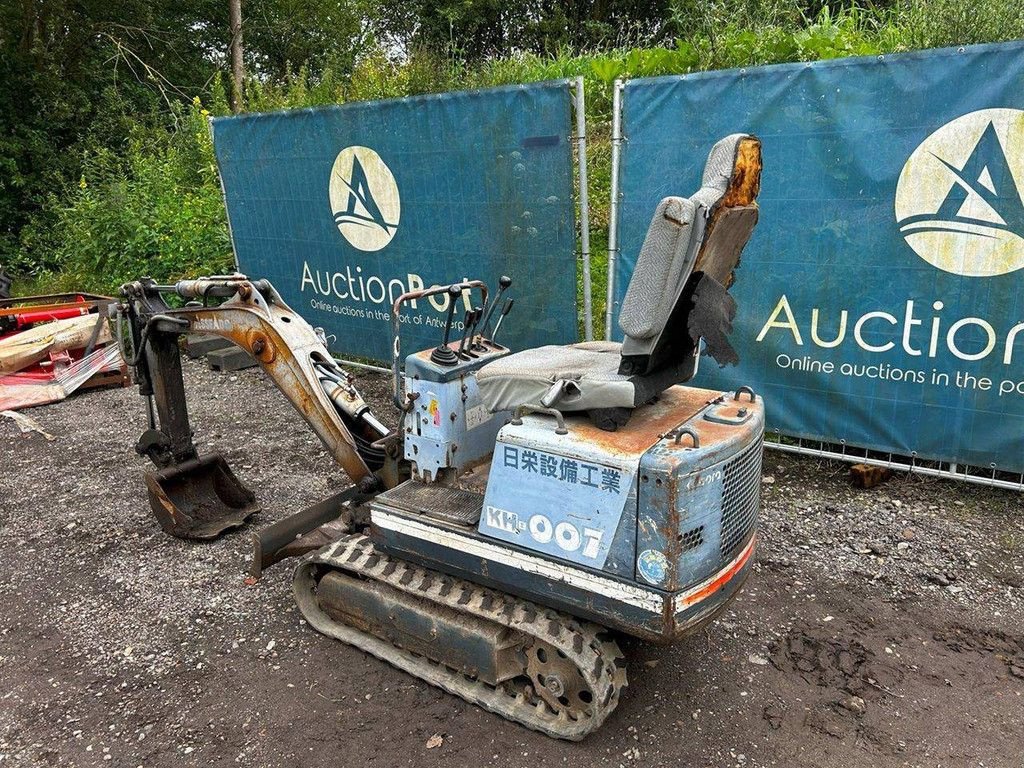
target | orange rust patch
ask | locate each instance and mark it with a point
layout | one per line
(648, 423)
(745, 183)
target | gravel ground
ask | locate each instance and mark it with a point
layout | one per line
(879, 628)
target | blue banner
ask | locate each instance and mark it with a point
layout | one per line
(344, 208)
(881, 298)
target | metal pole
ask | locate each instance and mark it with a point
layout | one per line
(363, 366)
(613, 211)
(581, 151)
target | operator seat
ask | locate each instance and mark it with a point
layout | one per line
(677, 295)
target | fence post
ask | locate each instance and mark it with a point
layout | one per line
(613, 211)
(581, 151)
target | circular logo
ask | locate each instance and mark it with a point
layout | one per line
(653, 565)
(364, 198)
(960, 196)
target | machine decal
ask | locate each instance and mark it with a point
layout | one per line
(652, 565)
(630, 594)
(565, 535)
(434, 409)
(560, 505)
(476, 416)
(567, 470)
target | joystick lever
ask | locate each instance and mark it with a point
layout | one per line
(505, 310)
(503, 283)
(472, 318)
(445, 355)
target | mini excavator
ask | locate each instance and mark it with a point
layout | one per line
(529, 505)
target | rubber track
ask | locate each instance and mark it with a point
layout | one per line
(596, 657)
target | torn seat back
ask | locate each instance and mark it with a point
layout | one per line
(678, 293)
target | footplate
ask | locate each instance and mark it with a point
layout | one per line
(551, 672)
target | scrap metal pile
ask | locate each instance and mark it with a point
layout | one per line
(52, 345)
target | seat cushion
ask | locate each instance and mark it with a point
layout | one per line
(588, 373)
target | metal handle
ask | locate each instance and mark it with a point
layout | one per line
(517, 416)
(503, 282)
(689, 431)
(746, 389)
(396, 331)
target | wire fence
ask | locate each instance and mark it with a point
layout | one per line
(842, 451)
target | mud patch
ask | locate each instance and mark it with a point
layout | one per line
(1005, 648)
(834, 662)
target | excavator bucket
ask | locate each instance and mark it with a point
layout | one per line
(200, 498)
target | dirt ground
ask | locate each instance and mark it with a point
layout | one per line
(879, 628)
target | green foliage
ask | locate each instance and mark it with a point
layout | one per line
(155, 210)
(936, 23)
(477, 30)
(106, 169)
(77, 75)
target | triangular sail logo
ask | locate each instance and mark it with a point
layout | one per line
(361, 207)
(985, 192)
(960, 197)
(364, 198)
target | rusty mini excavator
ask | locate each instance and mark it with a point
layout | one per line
(528, 505)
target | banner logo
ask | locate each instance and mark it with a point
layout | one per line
(364, 198)
(960, 196)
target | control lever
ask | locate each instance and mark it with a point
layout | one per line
(503, 283)
(472, 318)
(505, 310)
(445, 355)
(475, 338)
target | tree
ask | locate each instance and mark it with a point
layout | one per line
(478, 29)
(237, 66)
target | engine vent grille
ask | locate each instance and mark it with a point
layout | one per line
(741, 498)
(692, 539)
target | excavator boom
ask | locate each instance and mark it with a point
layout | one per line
(196, 497)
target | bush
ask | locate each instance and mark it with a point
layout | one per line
(153, 206)
(155, 210)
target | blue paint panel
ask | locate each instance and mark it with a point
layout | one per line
(563, 506)
(837, 138)
(426, 190)
(688, 541)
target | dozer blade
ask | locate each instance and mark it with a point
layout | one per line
(303, 532)
(200, 498)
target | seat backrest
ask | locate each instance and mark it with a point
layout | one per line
(678, 291)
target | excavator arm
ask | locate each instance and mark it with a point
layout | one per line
(195, 497)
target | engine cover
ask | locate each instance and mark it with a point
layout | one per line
(650, 529)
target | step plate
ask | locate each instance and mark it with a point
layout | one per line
(453, 505)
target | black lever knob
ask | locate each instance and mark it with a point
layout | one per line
(445, 355)
(504, 283)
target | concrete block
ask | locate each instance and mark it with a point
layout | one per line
(200, 344)
(231, 359)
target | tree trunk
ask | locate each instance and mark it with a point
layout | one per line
(237, 68)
